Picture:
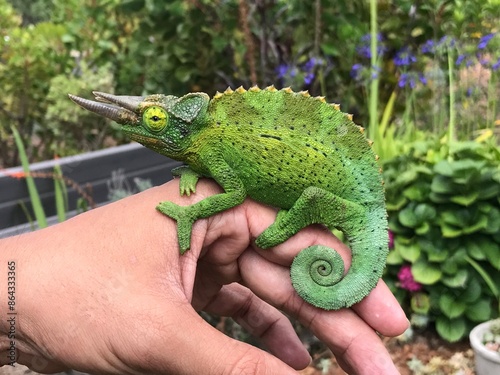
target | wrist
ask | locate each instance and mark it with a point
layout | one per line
(12, 286)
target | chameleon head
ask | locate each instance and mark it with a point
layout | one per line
(163, 123)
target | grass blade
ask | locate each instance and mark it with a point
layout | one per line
(30, 182)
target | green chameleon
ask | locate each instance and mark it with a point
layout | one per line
(282, 148)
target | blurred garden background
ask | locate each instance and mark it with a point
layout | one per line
(422, 76)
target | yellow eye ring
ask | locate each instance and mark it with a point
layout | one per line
(155, 118)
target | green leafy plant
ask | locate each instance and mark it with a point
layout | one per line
(444, 215)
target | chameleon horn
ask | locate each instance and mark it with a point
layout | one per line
(125, 101)
(103, 109)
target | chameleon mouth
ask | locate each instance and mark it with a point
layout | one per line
(122, 109)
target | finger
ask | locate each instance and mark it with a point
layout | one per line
(355, 344)
(382, 311)
(263, 322)
(184, 331)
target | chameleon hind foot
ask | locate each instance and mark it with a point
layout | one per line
(184, 218)
(315, 205)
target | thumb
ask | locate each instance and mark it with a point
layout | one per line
(192, 346)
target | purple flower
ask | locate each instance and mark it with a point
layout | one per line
(364, 49)
(422, 79)
(356, 71)
(406, 80)
(406, 280)
(496, 65)
(460, 59)
(404, 58)
(447, 41)
(483, 42)
(391, 240)
(311, 64)
(429, 46)
(375, 72)
(309, 78)
(282, 70)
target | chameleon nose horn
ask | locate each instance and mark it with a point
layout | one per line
(119, 108)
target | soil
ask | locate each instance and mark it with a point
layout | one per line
(424, 354)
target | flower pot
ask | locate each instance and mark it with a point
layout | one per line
(487, 361)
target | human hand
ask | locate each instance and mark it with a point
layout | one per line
(107, 292)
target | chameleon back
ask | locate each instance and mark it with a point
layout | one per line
(281, 142)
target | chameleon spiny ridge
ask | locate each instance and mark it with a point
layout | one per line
(282, 148)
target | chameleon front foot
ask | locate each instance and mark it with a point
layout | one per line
(182, 215)
(188, 179)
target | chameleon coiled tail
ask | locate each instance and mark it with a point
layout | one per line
(318, 272)
(314, 271)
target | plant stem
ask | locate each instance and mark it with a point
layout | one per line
(373, 93)
(451, 87)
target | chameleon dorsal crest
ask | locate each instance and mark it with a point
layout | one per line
(282, 148)
(189, 107)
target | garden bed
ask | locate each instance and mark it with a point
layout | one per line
(425, 354)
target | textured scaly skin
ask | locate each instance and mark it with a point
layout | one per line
(284, 149)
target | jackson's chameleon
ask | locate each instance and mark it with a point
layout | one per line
(282, 148)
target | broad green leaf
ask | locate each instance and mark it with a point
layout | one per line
(458, 280)
(408, 218)
(417, 192)
(493, 220)
(409, 253)
(451, 306)
(481, 223)
(450, 231)
(472, 292)
(395, 204)
(425, 212)
(443, 185)
(492, 252)
(451, 330)
(420, 303)
(439, 198)
(425, 273)
(474, 250)
(479, 311)
(465, 199)
(489, 190)
(423, 229)
(394, 257)
(438, 256)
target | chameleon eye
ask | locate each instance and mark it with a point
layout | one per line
(155, 118)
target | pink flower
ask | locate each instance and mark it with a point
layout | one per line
(391, 240)
(406, 280)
